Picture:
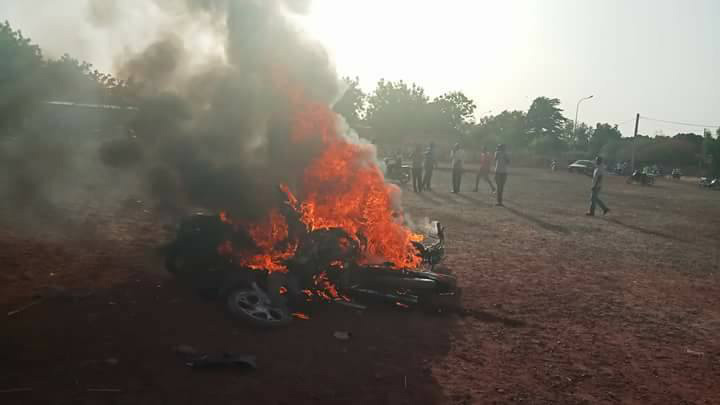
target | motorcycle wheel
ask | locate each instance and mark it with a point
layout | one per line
(249, 303)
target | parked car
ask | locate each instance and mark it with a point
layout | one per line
(582, 166)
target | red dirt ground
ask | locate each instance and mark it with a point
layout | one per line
(562, 309)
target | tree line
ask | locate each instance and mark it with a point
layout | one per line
(393, 110)
(396, 110)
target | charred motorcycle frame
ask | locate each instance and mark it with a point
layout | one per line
(326, 265)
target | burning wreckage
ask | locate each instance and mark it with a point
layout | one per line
(263, 275)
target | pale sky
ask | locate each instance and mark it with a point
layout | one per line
(656, 57)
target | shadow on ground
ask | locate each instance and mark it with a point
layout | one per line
(122, 339)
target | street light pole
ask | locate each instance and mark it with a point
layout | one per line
(577, 107)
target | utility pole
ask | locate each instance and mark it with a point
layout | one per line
(637, 122)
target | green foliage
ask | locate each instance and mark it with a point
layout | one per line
(352, 103)
(452, 113)
(712, 150)
(578, 138)
(20, 67)
(544, 118)
(603, 134)
(508, 127)
(26, 79)
(397, 108)
(546, 125)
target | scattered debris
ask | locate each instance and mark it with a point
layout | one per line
(300, 315)
(24, 307)
(342, 335)
(221, 360)
(351, 305)
(185, 350)
(695, 353)
(13, 390)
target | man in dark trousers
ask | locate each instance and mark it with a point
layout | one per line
(457, 155)
(428, 167)
(484, 170)
(417, 158)
(597, 181)
(501, 169)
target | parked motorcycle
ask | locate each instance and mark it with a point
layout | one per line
(676, 174)
(395, 170)
(640, 177)
(324, 258)
(709, 182)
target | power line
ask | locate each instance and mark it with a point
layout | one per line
(680, 123)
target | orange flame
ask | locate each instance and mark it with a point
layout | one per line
(344, 187)
(271, 240)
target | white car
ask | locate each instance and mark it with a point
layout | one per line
(582, 166)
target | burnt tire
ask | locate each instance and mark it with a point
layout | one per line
(248, 304)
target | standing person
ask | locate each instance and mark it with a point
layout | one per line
(417, 169)
(457, 155)
(597, 181)
(501, 163)
(428, 167)
(484, 170)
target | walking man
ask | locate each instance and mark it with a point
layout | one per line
(457, 155)
(417, 169)
(597, 181)
(501, 163)
(428, 167)
(484, 170)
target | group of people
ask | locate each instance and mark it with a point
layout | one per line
(423, 164)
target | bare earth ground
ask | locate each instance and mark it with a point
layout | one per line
(562, 309)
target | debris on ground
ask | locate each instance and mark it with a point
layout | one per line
(14, 390)
(196, 360)
(24, 307)
(694, 352)
(185, 350)
(341, 335)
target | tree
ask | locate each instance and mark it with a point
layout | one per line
(21, 66)
(712, 150)
(508, 127)
(545, 125)
(352, 103)
(578, 138)
(692, 139)
(397, 108)
(603, 134)
(452, 113)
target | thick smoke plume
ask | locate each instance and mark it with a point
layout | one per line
(213, 131)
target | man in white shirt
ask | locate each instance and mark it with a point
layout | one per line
(457, 155)
(597, 181)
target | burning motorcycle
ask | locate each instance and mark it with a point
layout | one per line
(640, 177)
(326, 266)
